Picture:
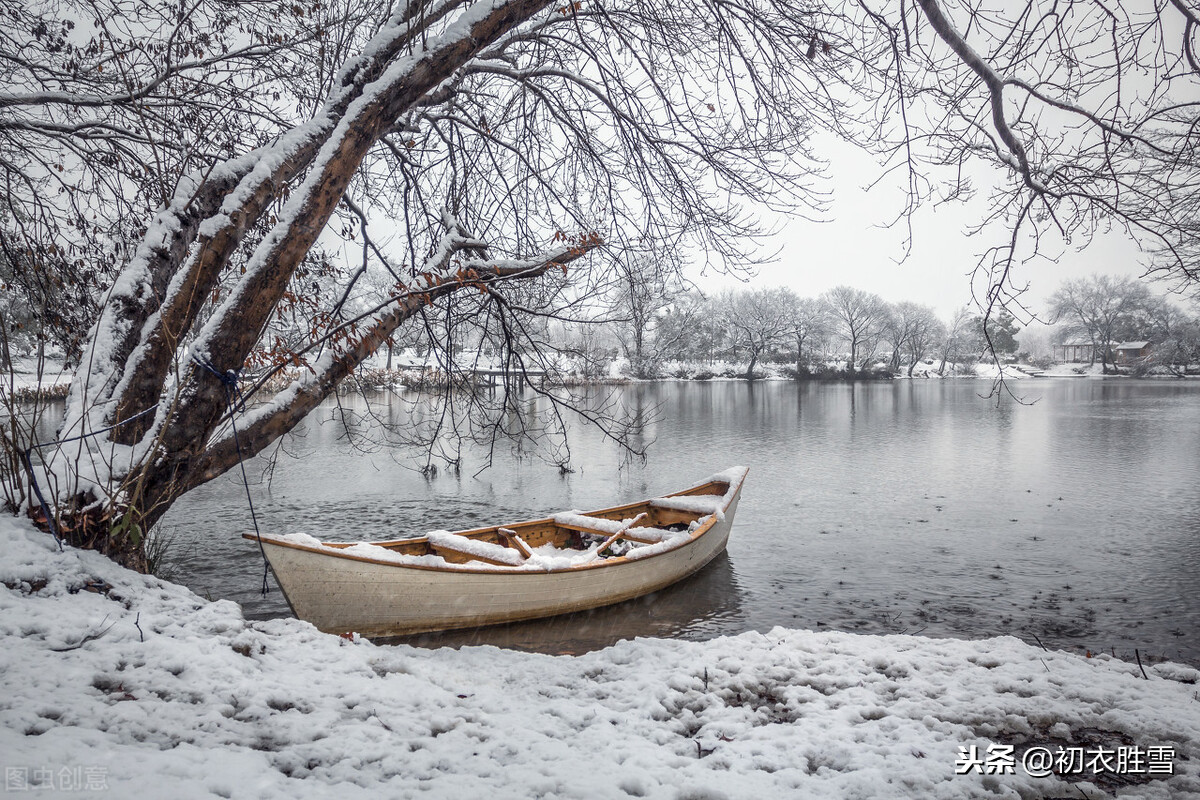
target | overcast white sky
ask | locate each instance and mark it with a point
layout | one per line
(857, 249)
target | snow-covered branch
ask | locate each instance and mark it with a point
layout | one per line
(1016, 155)
(361, 337)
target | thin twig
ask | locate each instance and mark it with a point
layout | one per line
(88, 638)
(386, 727)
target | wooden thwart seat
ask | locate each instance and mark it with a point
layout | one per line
(459, 549)
(585, 524)
(600, 526)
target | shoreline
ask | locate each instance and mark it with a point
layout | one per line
(26, 389)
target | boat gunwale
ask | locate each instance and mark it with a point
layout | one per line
(731, 492)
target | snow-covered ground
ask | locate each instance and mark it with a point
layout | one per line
(121, 685)
(992, 371)
(1074, 371)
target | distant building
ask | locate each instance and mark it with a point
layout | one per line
(1075, 351)
(1127, 352)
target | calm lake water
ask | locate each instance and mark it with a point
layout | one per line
(902, 507)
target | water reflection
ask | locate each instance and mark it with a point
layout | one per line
(703, 606)
(914, 506)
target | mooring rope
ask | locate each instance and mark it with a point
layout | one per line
(237, 404)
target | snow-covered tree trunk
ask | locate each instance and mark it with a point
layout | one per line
(137, 358)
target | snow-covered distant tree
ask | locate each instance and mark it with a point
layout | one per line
(911, 331)
(860, 318)
(923, 331)
(1161, 318)
(757, 320)
(692, 329)
(589, 348)
(1034, 344)
(17, 318)
(961, 339)
(810, 325)
(894, 335)
(647, 288)
(1175, 336)
(679, 329)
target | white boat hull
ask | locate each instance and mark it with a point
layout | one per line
(343, 594)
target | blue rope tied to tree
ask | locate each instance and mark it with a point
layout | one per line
(38, 491)
(26, 457)
(237, 404)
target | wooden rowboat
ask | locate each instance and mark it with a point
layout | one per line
(568, 562)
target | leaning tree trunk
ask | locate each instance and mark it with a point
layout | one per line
(152, 314)
(753, 363)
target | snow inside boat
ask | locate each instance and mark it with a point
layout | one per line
(568, 562)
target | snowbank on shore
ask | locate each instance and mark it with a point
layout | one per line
(25, 379)
(122, 685)
(1075, 371)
